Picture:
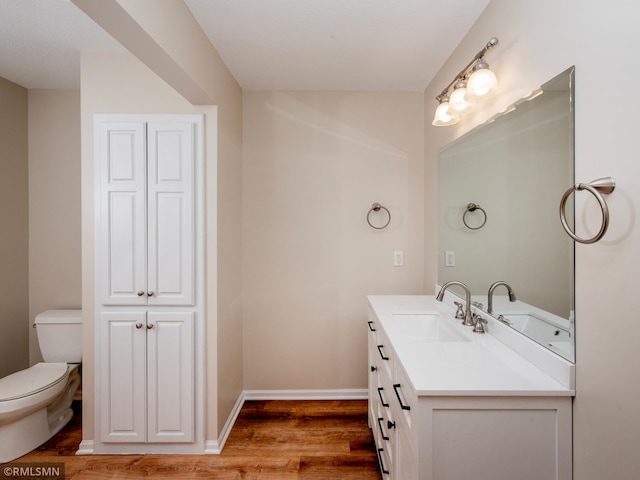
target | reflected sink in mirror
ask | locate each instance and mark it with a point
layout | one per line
(543, 331)
(427, 326)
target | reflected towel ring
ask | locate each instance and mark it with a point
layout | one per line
(376, 207)
(596, 188)
(472, 207)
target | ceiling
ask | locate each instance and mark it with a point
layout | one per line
(267, 44)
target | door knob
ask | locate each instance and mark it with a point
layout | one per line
(140, 293)
(150, 294)
(149, 326)
(138, 326)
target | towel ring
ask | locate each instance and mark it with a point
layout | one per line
(596, 188)
(472, 207)
(376, 207)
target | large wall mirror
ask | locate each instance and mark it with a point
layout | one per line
(500, 187)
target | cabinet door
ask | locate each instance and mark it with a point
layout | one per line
(171, 255)
(122, 377)
(171, 379)
(121, 159)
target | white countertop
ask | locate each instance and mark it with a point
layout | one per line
(483, 365)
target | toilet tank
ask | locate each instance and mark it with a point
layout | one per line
(60, 335)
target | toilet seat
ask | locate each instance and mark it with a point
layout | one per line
(31, 380)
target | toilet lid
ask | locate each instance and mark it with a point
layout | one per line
(31, 380)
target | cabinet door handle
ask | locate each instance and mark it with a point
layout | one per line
(384, 357)
(373, 368)
(371, 326)
(382, 467)
(384, 437)
(138, 326)
(140, 293)
(149, 326)
(384, 404)
(402, 405)
(150, 294)
(390, 424)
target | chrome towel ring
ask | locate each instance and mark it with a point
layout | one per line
(376, 207)
(597, 188)
(472, 207)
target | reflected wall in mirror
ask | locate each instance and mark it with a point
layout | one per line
(516, 168)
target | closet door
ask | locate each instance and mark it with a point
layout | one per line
(171, 255)
(121, 154)
(123, 362)
(171, 377)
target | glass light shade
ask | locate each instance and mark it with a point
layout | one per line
(442, 117)
(458, 104)
(482, 84)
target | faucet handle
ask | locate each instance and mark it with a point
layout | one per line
(459, 311)
(479, 324)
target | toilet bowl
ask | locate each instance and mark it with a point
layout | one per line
(35, 403)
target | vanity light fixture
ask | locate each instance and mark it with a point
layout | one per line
(443, 114)
(475, 82)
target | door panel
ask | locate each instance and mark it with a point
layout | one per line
(123, 377)
(171, 377)
(171, 255)
(121, 153)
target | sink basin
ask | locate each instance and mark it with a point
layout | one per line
(427, 326)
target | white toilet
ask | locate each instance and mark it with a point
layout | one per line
(35, 403)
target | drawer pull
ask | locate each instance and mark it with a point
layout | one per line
(382, 467)
(402, 405)
(384, 404)
(371, 326)
(382, 354)
(373, 368)
(384, 437)
(390, 424)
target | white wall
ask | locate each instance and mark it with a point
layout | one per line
(538, 40)
(54, 205)
(14, 222)
(314, 163)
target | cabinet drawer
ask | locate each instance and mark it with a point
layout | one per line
(405, 400)
(384, 354)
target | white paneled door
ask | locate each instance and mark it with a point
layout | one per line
(149, 290)
(147, 377)
(147, 213)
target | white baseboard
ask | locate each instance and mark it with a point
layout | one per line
(339, 394)
(214, 447)
(85, 448)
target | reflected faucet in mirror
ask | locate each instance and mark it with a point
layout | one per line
(468, 320)
(512, 295)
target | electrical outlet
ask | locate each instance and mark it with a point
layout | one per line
(450, 259)
(398, 258)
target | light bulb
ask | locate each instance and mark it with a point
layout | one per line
(442, 117)
(482, 83)
(458, 105)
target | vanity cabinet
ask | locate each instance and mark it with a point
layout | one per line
(149, 283)
(474, 432)
(147, 377)
(392, 407)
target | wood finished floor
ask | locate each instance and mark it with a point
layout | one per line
(283, 440)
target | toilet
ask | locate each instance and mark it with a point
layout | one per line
(35, 403)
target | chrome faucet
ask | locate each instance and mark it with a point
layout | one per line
(468, 321)
(512, 295)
